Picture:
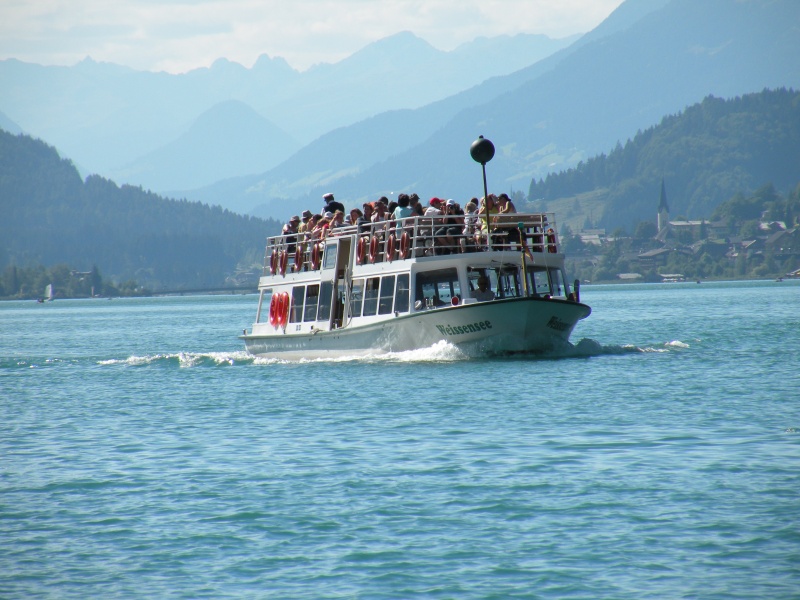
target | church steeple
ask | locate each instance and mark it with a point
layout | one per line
(663, 209)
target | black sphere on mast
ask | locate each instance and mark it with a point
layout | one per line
(482, 150)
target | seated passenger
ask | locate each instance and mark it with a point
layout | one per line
(483, 293)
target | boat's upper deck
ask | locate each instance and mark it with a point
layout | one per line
(415, 237)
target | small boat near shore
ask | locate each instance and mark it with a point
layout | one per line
(393, 286)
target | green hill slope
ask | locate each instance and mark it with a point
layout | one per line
(705, 154)
(51, 216)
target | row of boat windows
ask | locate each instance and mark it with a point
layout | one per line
(386, 294)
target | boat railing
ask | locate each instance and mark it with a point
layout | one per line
(416, 237)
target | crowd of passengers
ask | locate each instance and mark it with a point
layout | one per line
(454, 229)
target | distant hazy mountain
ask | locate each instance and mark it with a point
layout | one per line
(107, 117)
(226, 140)
(9, 125)
(656, 58)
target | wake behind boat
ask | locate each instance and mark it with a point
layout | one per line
(399, 285)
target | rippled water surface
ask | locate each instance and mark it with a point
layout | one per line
(144, 454)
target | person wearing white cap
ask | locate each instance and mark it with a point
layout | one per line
(331, 205)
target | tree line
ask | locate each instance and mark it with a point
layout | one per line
(693, 253)
(51, 216)
(708, 153)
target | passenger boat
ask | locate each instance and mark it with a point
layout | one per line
(392, 287)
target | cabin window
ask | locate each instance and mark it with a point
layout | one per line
(356, 298)
(296, 309)
(325, 295)
(339, 302)
(387, 295)
(371, 296)
(263, 306)
(312, 300)
(401, 295)
(541, 283)
(557, 285)
(437, 288)
(508, 283)
(329, 256)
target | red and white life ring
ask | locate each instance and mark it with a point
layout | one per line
(390, 243)
(404, 245)
(373, 249)
(283, 311)
(273, 310)
(283, 262)
(315, 257)
(273, 262)
(298, 258)
(361, 250)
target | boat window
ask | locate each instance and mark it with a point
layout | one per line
(508, 282)
(312, 299)
(371, 296)
(325, 294)
(329, 256)
(557, 284)
(540, 283)
(401, 295)
(356, 297)
(338, 304)
(437, 288)
(296, 310)
(387, 295)
(263, 306)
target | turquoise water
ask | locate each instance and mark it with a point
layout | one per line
(144, 454)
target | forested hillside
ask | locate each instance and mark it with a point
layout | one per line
(705, 154)
(51, 216)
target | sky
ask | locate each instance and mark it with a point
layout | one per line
(179, 35)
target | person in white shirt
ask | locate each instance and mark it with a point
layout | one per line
(483, 293)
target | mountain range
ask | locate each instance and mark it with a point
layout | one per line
(121, 123)
(624, 76)
(400, 115)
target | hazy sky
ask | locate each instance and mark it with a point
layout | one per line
(179, 35)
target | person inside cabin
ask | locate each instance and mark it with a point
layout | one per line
(483, 293)
(331, 205)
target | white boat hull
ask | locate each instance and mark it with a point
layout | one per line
(532, 324)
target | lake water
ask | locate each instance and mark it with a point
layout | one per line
(143, 454)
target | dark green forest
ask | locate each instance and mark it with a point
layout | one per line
(707, 154)
(50, 216)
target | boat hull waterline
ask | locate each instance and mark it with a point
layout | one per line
(516, 325)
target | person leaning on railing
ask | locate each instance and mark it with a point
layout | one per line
(470, 225)
(507, 229)
(488, 209)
